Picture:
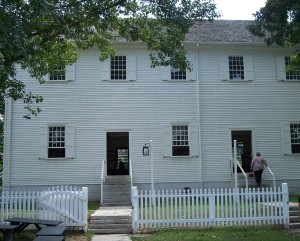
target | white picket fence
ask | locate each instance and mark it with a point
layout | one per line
(209, 208)
(61, 203)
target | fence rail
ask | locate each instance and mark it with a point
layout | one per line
(209, 208)
(59, 203)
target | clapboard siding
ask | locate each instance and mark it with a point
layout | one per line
(94, 106)
(143, 107)
(260, 105)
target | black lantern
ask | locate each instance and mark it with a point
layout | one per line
(146, 151)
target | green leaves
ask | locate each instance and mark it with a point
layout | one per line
(43, 35)
(279, 23)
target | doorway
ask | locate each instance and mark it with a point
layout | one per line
(244, 148)
(117, 153)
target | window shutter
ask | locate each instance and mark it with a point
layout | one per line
(224, 68)
(105, 70)
(70, 141)
(71, 72)
(281, 75)
(166, 73)
(249, 68)
(131, 67)
(167, 141)
(194, 140)
(43, 142)
(286, 138)
(191, 75)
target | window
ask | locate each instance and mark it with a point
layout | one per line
(180, 141)
(295, 137)
(58, 74)
(56, 142)
(289, 75)
(177, 74)
(118, 68)
(236, 68)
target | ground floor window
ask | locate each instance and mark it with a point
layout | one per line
(180, 140)
(56, 142)
(295, 137)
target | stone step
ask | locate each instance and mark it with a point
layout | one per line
(111, 231)
(294, 213)
(294, 219)
(105, 220)
(107, 204)
(117, 180)
(109, 225)
(294, 225)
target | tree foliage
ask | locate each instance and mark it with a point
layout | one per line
(278, 22)
(42, 35)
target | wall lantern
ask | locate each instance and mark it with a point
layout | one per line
(146, 151)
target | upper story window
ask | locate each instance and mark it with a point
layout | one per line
(295, 137)
(236, 68)
(56, 142)
(180, 141)
(289, 75)
(118, 68)
(177, 74)
(58, 74)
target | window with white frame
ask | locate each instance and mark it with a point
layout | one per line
(295, 137)
(56, 142)
(180, 140)
(289, 75)
(58, 74)
(236, 68)
(177, 74)
(118, 68)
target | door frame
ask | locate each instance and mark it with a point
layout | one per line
(253, 147)
(105, 145)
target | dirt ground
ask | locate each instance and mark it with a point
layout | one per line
(76, 236)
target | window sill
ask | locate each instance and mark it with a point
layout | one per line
(177, 157)
(236, 80)
(178, 80)
(58, 81)
(56, 158)
(118, 81)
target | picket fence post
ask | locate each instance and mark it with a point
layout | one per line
(85, 207)
(135, 209)
(285, 203)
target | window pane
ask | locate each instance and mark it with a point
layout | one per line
(180, 141)
(56, 142)
(236, 67)
(118, 68)
(58, 74)
(177, 74)
(289, 75)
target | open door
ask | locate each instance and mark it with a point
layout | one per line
(244, 148)
(117, 153)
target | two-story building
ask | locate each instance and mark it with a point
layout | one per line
(107, 112)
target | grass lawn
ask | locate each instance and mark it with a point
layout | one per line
(223, 234)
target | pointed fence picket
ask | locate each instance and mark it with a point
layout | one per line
(61, 203)
(209, 207)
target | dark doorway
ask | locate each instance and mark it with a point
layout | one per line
(117, 153)
(244, 148)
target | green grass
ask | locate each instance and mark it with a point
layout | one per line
(223, 234)
(92, 207)
(293, 199)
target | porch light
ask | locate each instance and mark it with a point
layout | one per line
(146, 150)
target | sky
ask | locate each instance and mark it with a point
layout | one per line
(238, 9)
